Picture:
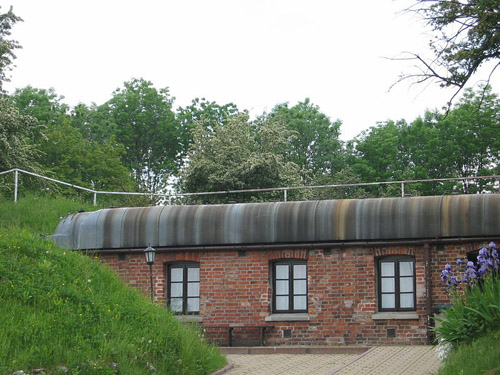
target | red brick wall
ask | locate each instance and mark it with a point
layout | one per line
(235, 289)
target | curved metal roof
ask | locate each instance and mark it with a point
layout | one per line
(283, 222)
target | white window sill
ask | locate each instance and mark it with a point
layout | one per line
(189, 318)
(288, 317)
(395, 315)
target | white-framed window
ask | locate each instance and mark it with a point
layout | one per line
(396, 283)
(183, 295)
(289, 286)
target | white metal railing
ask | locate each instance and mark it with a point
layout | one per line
(285, 190)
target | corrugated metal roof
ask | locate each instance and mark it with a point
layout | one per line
(283, 222)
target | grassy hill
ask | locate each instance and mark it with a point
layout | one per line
(68, 314)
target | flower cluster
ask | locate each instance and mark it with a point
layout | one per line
(487, 262)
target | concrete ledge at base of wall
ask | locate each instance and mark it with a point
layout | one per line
(295, 350)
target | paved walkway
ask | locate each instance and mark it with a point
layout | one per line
(382, 360)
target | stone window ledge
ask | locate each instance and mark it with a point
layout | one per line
(395, 315)
(189, 318)
(290, 317)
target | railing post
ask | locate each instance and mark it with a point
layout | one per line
(285, 194)
(402, 189)
(95, 199)
(16, 182)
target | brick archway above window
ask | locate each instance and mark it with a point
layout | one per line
(388, 251)
(288, 254)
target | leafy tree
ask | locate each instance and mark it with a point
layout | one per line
(316, 149)
(94, 122)
(72, 158)
(45, 105)
(7, 46)
(467, 36)
(16, 133)
(237, 155)
(147, 127)
(465, 142)
(470, 136)
(203, 112)
(378, 152)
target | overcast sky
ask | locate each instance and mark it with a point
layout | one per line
(254, 53)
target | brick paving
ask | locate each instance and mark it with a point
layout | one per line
(381, 360)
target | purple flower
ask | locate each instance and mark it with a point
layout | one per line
(447, 267)
(494, 253)
(483, 269)
(470, 264)
(492, 244)
(483, 252)
(460, 262)
(454, 281)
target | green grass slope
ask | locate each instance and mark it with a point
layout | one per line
(68, 314)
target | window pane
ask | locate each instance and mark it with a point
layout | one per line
(406, 284)
(388, 285)
(299, 303)
(299, 287)
(387, 268)
(282, 287)
(176, 304)
(405, 268)
(281, 302)
(176, 274)
(176, 290)
(193, 289)
(406, 301)
(193, 274)
(281, 272)
(299, 271)
(193, 305)
(388, 301)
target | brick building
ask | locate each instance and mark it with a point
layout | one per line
(333, 272)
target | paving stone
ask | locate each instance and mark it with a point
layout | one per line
(382, 360)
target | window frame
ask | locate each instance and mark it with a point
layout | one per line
(291, 293)
(185, 266)
(396, 260)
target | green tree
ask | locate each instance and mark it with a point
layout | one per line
(237, 155)
(467, 36)
(16, 139)
(470, 137)
(147, 127)
(72, 158)
(203, 112)
(7, 46)
(94, 122)
(316, 149)
(45, 105)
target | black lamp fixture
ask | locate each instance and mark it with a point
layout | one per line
(150, 254)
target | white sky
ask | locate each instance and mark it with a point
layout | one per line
(254, 53)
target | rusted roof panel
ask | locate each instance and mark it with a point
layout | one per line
(283, 222)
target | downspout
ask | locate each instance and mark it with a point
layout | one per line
(428, 292)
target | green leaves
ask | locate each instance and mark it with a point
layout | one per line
(238, 155)
(146, 125)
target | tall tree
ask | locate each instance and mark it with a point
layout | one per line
(7, 46)
(94, 122)
(205, 113)
(236, 155)
(467, 36)
(17, 131)
(147, 127)
(316, 149)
